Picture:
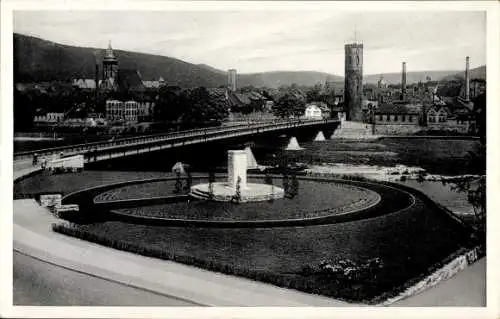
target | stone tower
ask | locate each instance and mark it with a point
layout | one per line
(109, 64)
(353, 87)
(231, 79)
(467, 79)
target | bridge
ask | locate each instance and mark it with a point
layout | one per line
(110, 149)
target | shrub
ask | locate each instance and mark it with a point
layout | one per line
(354, 177)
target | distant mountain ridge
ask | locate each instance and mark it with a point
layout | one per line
(475, 73)
(37, 60)
(277, 78)
(416, 76)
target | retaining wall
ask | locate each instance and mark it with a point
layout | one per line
(447, 271)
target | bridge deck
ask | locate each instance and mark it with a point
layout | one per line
(98, 151)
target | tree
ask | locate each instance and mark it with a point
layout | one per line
(189, 179)
(480, 114)
(475, 188)
(237, 196)
(171, 104)
(24, 111)
(314, 94)
(178, 182)
(289, 104)
(211, 181)
(202, 108)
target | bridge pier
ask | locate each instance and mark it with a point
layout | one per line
(319, 137)
(293, 144)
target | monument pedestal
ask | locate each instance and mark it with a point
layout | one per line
(237, 167)
(236, 174)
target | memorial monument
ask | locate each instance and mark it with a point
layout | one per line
(236, 184)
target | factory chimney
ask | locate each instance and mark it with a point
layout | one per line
(96, 84)
(467, 80)
(403, 82)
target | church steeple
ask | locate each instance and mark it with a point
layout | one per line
(109, 67)
(110, 56)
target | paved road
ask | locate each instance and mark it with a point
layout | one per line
(38, 283)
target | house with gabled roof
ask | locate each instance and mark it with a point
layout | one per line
(394, 113)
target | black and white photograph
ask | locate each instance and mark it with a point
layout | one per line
(248, 155)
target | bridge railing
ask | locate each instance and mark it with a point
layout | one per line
(129, 149)
(180, 135)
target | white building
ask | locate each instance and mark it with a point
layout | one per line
(114, 110)
(313, 111)
(131, 111)
(51, 117)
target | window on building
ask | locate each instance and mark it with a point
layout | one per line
(395, 118)
(410, 118)
(403, 118)
(380, 118)
(388, 118)
(442, 117)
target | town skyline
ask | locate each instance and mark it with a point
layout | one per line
(442, 45)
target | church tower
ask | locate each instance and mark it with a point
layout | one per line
(353, 86)
(109, 64)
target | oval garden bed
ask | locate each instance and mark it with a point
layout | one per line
(312, 199)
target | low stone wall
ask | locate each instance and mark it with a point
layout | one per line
(447, 271)
(395, 129)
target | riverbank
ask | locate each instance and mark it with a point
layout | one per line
(430, 184)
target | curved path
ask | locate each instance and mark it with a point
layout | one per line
(139, 278)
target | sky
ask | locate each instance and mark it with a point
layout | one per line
(258, 41)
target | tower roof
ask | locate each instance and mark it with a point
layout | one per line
(109, 55)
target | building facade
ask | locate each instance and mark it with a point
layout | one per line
(353, 85)
(313, 111)
(51, 117)
(437, 115)
(394, 114)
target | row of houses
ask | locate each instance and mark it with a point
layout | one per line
(129, 111)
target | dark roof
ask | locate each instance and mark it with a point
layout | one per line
(242, 98)
(395, 109)
(460, 103)
(255, 96)
(130, 80)
(436, 108)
